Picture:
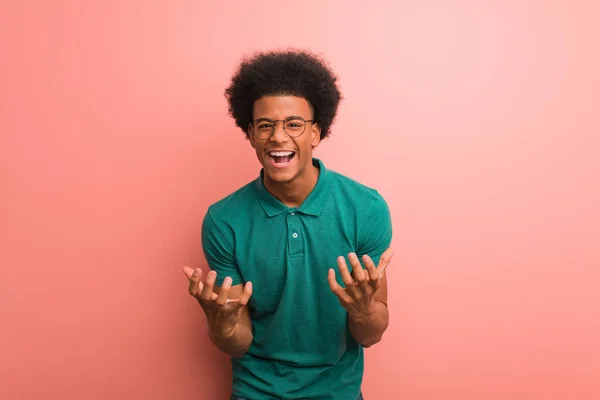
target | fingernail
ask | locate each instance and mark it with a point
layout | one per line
(227, 281)
(353, 256)
(197, 271)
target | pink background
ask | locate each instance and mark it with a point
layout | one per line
(478, 121)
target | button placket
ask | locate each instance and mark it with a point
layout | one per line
(295, 237)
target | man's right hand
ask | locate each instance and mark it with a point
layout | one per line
(223, 314)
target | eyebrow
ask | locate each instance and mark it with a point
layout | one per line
(269, 119)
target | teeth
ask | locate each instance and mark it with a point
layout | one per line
(281, 153)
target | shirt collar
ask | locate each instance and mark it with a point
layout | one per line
(312, 205)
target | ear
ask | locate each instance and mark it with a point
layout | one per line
(315, 135)
(250, 136)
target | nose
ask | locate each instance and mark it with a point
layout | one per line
(279, 135)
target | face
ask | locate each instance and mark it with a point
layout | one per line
(284, 158)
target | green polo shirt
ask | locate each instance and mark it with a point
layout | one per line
(302, 346)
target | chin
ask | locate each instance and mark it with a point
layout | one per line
(281, 177)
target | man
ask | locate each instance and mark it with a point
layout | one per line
(294, 327)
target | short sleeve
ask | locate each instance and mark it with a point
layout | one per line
(375, 231)
(219, 251)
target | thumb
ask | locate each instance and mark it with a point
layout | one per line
(188, 271)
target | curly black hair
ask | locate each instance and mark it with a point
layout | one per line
(284, 72)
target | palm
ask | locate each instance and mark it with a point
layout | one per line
(361, 285)
(221, 311)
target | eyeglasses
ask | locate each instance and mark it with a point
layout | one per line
(264, 128)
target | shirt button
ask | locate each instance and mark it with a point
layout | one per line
(295, 235)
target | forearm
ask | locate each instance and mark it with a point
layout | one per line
(368, 329)
(235, 344)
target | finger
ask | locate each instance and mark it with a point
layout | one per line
(357, 271)
(245, 297)
(195, 281)
(207, 290)
(346, 278)
(384, 260)
(371, 268)
(336, 288)
(372, 272)
(333, 285)
(188, 272)
(224, 291)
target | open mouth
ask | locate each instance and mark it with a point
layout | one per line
(281, 159)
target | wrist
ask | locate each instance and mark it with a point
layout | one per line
(219, 333)
(234, 341)
(365, 315)
(368, 327)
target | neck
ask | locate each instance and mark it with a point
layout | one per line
(293, 193)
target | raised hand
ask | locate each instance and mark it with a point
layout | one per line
(223, 314)
(359, 295)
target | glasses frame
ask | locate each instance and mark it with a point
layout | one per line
(274, 122)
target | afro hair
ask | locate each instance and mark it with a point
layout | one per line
(278, 73)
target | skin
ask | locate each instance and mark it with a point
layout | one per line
(291, 185)
(229, 325)
(365, 294)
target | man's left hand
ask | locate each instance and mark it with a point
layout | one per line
(358, 298)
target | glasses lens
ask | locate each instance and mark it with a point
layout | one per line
(294, 127)
(263, 129)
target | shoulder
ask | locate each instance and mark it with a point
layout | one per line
(369, 211)
(224, 214)
(356, 192)
(232, 204)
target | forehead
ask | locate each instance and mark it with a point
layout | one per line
(281, 107)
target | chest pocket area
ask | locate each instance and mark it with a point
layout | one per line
(266, 267)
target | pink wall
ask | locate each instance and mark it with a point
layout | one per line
(477, 121)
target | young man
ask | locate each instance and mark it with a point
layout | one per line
(295, 327)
